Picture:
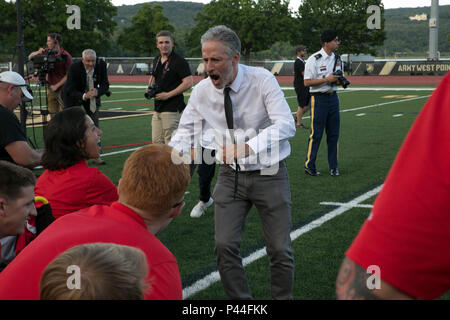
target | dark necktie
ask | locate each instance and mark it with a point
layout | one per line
(228, 110)
(229, 116)
(92, 104)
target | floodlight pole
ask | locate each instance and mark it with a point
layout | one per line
(20, 62)
(433, 26)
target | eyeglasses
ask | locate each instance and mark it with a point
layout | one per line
(178, 203)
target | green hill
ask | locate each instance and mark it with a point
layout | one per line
(410, 37)
(181, 14)
(404, 37)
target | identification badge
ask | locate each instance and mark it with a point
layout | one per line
(322, 68)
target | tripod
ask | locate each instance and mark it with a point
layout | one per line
(43, 103)
(43, 109)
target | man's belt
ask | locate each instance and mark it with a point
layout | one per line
(281, 164)
(329, 93)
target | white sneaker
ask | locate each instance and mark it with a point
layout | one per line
(200, 208)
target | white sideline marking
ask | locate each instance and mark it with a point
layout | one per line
(341, 90)
(118, 152)
(340, 204)
(360, 114)
(123, 100)
(214, 276)
(397, 115)
(375, 105)
(384, 103)
(129, 87)
(131, 91)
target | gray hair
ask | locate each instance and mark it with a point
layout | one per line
(226, 36)
(164, 33)
(88, 52)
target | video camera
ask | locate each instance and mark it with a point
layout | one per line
(153, 90)
(42, 63)
(343, 81)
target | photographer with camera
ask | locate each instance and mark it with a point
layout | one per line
(322, 75)
(57, 63)
(87, 81)
(169, 78)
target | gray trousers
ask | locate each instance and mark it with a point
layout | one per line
(272, 198)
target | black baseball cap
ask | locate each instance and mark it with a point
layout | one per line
(328, 35)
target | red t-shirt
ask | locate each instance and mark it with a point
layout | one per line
(75, 188)
(408, 232)
(60, 68)
(108, 224)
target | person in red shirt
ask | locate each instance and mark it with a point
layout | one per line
(406, 239)
(151, 192)
(68, 183)
(16, 204)
(57, 75)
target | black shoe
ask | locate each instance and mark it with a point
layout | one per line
(312, 172)
(334, 172)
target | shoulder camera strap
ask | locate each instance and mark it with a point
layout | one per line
(336, 59)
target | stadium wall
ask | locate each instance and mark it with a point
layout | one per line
(377, 67)
(400, 68)
(142, 66)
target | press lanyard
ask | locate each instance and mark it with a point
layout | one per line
(165, 65)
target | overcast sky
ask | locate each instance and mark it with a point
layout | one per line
(294, 4)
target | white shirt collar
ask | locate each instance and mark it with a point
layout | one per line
(236, 84)
(325, 54)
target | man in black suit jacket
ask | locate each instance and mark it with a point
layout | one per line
(76, 90)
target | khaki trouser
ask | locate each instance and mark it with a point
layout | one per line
(54, 101)
(163, 125)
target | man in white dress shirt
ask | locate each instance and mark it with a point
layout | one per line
(256, 147)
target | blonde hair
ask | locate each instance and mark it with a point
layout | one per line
(107, 271)
(151, 181)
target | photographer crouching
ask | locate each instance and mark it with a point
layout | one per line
(53, 64)
(169, 78)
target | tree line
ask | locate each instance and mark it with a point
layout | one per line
(260, 24)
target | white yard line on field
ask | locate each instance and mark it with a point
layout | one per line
(213, 277)
(341, 90)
